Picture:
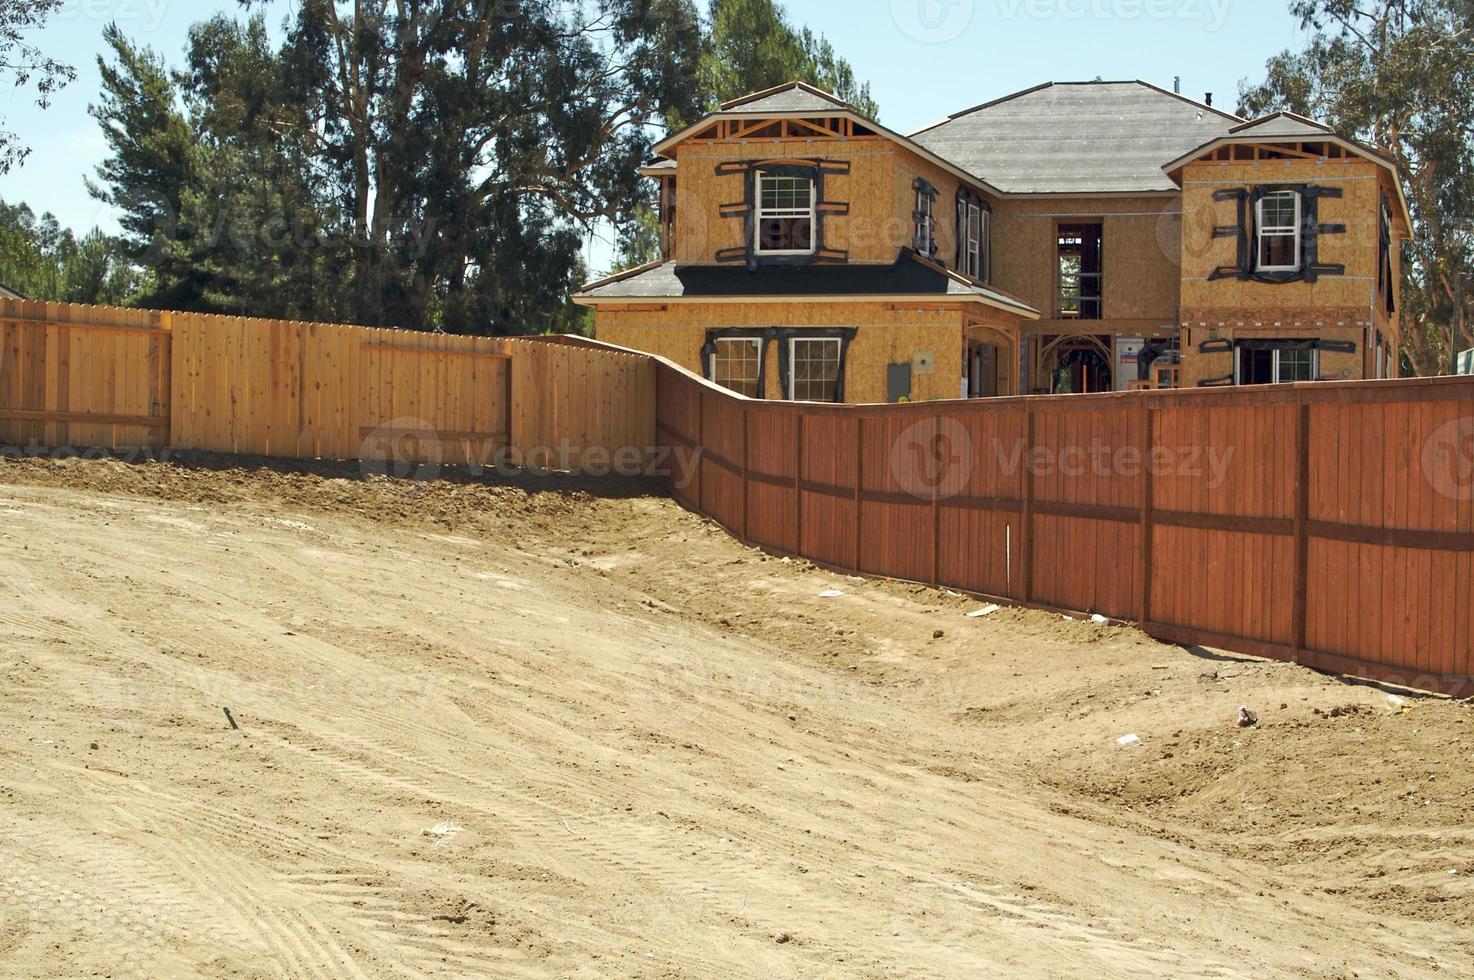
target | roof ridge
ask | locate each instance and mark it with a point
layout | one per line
(609, 280)
(1284, 114)
(985, 105)
(1191, 101)
(797, 83)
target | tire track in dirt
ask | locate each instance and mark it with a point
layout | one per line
(305, 937)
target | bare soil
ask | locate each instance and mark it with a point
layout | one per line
(566, 729)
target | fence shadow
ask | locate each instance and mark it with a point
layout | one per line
(607, 487)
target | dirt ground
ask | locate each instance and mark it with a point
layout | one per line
(564, 729)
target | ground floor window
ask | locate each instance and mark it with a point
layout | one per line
(1276, 362)
(814, 368)
(736, 363)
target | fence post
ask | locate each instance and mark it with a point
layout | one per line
(745, 535)
(1148, 489)
(1026, 528)
(798, 480)
(1302, 516)
(161, 371)
(701, 442)
(936, 501)
(859, 487)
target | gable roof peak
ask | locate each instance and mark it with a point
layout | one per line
(796, 85)
(1288, 122)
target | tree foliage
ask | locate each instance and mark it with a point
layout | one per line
(751, 46)
(44, 261)
(1398, 74)
(25, 65)
(426, 163)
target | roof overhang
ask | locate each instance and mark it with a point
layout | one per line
(667, 145)
(894, 299)
(981, 293)
(1174, 169)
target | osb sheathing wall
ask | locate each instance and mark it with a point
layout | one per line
(910, 166)
(1140, 255)
(1335, 307)
(873, 231)
(1335, 366)
(1357, 209)
(885, 337)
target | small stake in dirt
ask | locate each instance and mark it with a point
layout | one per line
(231, 718)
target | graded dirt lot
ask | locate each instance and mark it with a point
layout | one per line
(562, 729)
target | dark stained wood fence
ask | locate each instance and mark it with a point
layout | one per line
(1330, 524)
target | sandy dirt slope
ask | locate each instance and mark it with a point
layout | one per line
(565, 730)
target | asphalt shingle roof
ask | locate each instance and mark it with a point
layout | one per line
(793, 97)
(1077, 138)
(1283, 125)
(908, 276)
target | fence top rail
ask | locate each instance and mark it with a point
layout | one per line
(1452, 388)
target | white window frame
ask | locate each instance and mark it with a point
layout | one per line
(972, 248)
(811, 213)
(793, 361)
(926, 223)
(1263, 231)
(1274, 371)
(757, 346)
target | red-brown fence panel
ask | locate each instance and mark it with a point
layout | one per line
(1331, 524)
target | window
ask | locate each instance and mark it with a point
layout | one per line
(974, 240)
(736, 363)
(813, 369)
(924, 233)
(1294, 364)
(785, 215)
(1263, 364)
(1278, 221)
(1080, 283)
(1384, 260)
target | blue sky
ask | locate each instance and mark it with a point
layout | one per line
(923, 59)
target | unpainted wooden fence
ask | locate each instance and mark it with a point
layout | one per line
(91, 376)
(1327, 524)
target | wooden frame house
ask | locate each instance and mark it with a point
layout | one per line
(1068, 238)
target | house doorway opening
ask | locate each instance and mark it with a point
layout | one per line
(982, 370)
(1080, 286)
(1075, 365)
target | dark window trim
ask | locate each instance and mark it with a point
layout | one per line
(965, 197)
(747, 209)
(760, 334)
(1385, 271)
(783, 335)
(929, 248)
(1247, 232)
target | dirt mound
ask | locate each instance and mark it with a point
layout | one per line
(551, 728)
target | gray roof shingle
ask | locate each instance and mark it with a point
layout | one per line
(908, 276)
(1077, 138)
(1281, 125)
(793, 97)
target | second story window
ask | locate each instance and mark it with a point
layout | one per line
(1277, 236)
(924, 233)
(972, 237)
(1080, 284)
(785, 215)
